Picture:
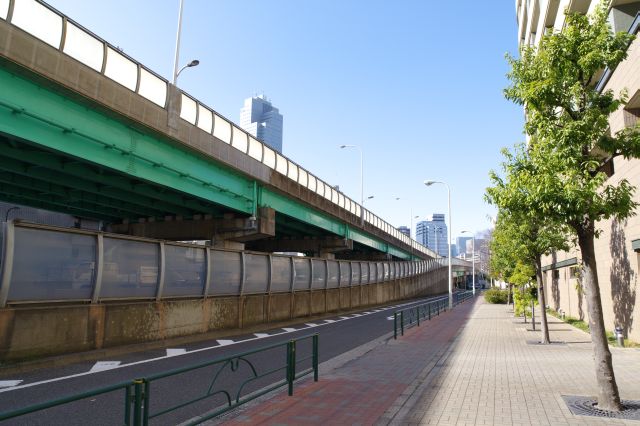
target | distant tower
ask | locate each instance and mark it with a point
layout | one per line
(263, 121)
(432, 233)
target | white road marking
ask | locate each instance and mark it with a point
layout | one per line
(177, 351)
(208, 348)
(310, 324)
(390, 318)
(9, 383)
(261, 335)
(104, 365)
(329, 321)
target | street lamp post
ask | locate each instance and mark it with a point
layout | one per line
(429, 183)
(411, 217)
(176, 59)
(473, 260)
(361, 180)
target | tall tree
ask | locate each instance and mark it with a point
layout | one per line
(567, 119)
(525, 236)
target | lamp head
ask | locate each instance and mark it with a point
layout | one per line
(429, 182)
(193, 63)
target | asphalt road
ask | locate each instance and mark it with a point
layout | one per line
(337, 335)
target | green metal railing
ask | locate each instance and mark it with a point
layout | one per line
(408, 317)
(137, 392)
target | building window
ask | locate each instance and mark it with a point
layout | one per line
(574, 272)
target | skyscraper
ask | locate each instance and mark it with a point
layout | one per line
(263, 121)
(432, 233)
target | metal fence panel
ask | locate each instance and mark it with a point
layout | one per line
(319, 274)
(50, 265)
(281, 274)
(226, 270)
(130, 268)
(332, 274)
(303, 272)
(185, 271)
(256, 273)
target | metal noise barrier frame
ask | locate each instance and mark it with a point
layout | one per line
(408, 317)
(137, 392)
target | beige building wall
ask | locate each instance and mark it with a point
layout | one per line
(618, 263)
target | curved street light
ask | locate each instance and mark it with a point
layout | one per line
(193, 63)
(429, 183)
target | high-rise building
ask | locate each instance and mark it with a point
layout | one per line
(260, 118)
(619, 241)
(433, 233)
(461, 242)
(405, 230)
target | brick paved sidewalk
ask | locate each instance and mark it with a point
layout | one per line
(469, 366)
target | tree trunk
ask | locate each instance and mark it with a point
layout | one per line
(543, 304)
(608, 395)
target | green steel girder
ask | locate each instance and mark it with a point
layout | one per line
(48, 119)
(40, 204)
(70, 195)
(173, 202)
(29, 197)
(154, 207)
(288, 226)
(294, 209)
(309, 216)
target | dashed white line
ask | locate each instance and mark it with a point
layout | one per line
(329, 321)
(290, 330)
(9, 383)
(176, 351)
(310, 324)
(104, 365)
(261, 335)
(225, 342)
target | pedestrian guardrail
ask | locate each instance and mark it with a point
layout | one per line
(137, 393)
(408, 317)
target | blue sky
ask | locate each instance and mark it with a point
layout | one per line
(417, 84)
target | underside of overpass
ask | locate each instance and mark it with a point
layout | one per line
(32, 175)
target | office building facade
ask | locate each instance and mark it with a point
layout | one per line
(433, 233)
(260, 118)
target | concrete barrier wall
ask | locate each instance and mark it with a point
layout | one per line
(28, 332)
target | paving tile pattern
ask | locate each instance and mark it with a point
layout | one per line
(471, 366)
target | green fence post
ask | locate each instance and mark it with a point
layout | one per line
(145, 403)
(137, 400)
(395, 325)
(127, 406)
(402, 323)
(418, 314)
(315, 357)
(429, 306)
